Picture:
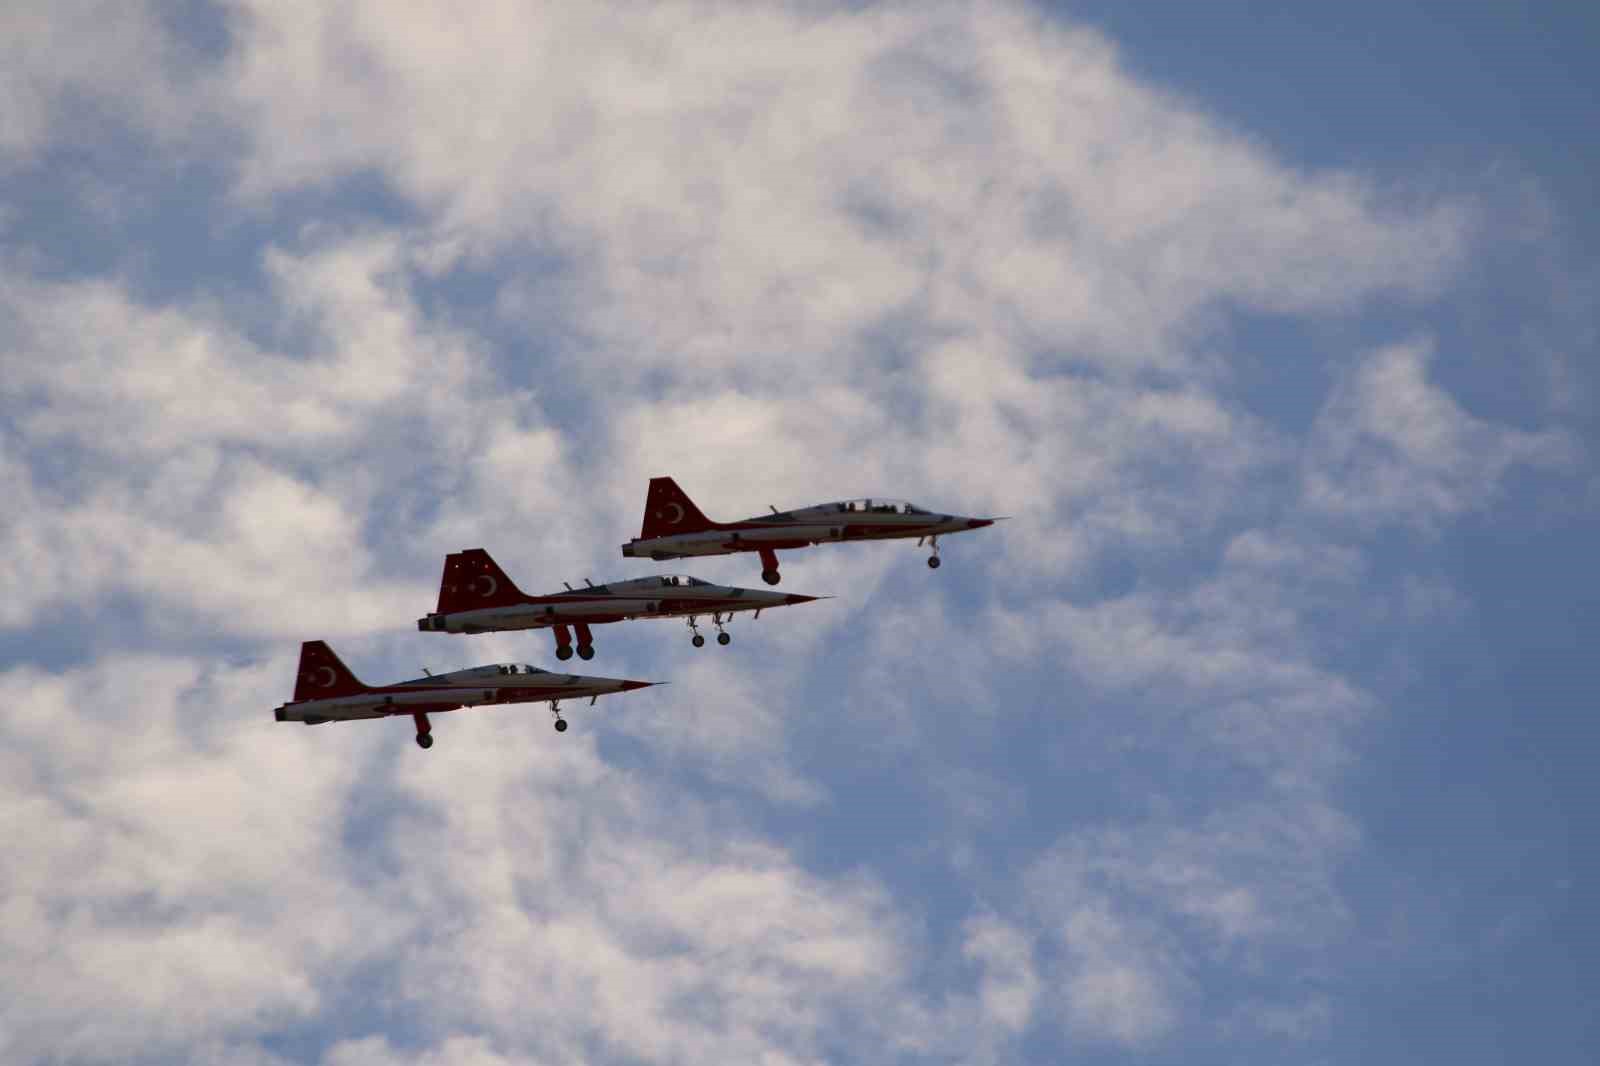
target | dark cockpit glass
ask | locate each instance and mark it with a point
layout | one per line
(875, 506)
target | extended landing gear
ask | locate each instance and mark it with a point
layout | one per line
(424, 731)
(564, 642)
(699, 641)
(769, 566)
(933, 560)
(560, 722)
(771, 577)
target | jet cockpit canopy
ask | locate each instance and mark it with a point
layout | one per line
(519, 668)
(873, 505)
(674, 581)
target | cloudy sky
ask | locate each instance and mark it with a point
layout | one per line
(1262, 733)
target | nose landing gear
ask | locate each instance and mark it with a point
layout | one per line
(933, 560)
(560, 722)
(769, 566)
(424, 731)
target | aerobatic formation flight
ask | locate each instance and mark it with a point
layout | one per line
(476, 596)
(674, 528)
(326, 691)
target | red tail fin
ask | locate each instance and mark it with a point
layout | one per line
(668, 510)
(322, 675)
(472, 580)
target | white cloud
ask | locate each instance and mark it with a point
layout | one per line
(763, 211)
(951, 254)
(455, 1051)
(169, 875)
(1390, 446)
(1117, 986)
(183, 870)
(209, 476)
(1009, 987)
(78, 67)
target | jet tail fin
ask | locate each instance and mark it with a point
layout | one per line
(323, 675)
(471, 580)
(668, 510)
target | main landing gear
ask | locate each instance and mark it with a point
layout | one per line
(560, 722)
(769, 566)
(424, 731)
(699, 641)
(564, 642)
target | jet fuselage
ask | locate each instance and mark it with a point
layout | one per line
(674, 528)
(477, 686)
(799, 529)
(670, 596)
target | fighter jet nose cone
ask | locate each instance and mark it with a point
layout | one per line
(629, 686)
(979, 523)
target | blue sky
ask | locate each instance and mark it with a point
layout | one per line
(1259, 734)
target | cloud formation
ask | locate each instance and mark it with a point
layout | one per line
(511, 263)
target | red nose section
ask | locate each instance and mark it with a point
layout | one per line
(979, 523)
(793, 599)
(629, 686)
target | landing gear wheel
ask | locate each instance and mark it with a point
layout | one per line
(724, 639)
(564, 652)
(698, 641)
(561, 725)
(424, 740)
(771, 577)
(586, 652)
(933, 562)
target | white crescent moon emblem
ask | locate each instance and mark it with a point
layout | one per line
(676, 510)
(328, 671)
(493, 585)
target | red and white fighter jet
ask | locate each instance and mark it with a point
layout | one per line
(326, 691)
(674, 528)
(476, 596)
